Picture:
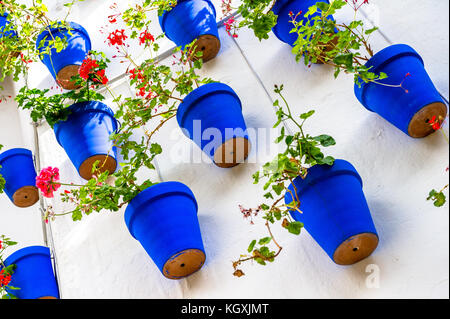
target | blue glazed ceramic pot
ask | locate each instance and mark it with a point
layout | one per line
(17, 168)
(190, 20)
(33, 274)
(3, 23)
(85, 136)
(212, 117)
(334, 211)
(410, 107)
(66, 63)
(163, 218)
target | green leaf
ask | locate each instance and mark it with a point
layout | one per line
(295, 228)
(325, 140)
(260, 261)
(278, 188)
(438, 198)
(306, 115)
(251, 246)
(155, 148)
(264, 241)
(329, 160)
(345, 59)
(382, 76)
(255, 177)
(369, 31)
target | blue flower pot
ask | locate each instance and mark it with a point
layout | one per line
(212, 117)
(85, 136)
(65, 64)
(409, 108)
(190, 20)
(284, 25)
(3, 23)
(17, 168)
(33, 274)
(163, 218)
(335, 212)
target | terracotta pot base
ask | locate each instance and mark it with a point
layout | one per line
(355, 249)
(209, 45)
(26, 196)
(107, 163)
(65, 75)
(184, 263)
(232, 152)
(420, 126)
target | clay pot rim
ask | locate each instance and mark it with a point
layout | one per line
(199, 94)
(152, 193)
(379, 60)
(15, 152)
(26, 252)
(74, 27)
(85, 107)
(163, 17)
(340, 167)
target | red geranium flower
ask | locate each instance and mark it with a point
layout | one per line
(89, 71)
(434, 122)
(117, 37)
(86, 67)
(145, 37)
(5, 279)
(100, 77)
(136, 73)
(47, 181)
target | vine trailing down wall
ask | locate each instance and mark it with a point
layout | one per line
(297, 183)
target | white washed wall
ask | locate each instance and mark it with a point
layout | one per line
(97, 257)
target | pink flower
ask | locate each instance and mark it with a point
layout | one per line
(47, 181)
(230, 26)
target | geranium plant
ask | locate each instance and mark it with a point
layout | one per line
(53, 107)
(160, 88)
(18, 38)
(6, 272)
(256, 15)
(437, 196)
(321, 39)
(104, 191)
(137, 17)
(302, 151)
(154, 100)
